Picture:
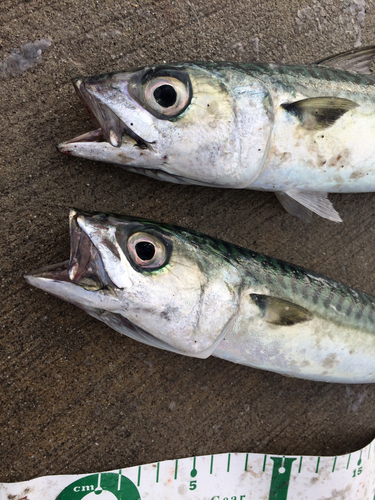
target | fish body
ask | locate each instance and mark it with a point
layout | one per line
(194, 295)
(300, 131)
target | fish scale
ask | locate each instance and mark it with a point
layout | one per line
(291, 76)
(300, 281)
(354, 302)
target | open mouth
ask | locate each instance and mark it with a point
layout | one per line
(84, 268)
(111, 128)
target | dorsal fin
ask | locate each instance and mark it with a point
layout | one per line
(279, 311)
(357, 60)
(318, 113)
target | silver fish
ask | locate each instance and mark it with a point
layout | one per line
(194, 295)
(300, 131)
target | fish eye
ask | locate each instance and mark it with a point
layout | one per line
(166, 96)
(146, 250)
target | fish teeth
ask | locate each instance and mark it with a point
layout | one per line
(114, 139)
(112, 126)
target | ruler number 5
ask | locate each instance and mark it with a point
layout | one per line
(193, 485)
(357, 472)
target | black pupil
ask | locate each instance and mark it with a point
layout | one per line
(165, 95)
(145, 250)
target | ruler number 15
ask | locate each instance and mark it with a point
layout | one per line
(357, 472)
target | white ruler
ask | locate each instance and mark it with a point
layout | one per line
(228, 476)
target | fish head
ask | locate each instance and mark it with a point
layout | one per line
(156, 283)
(181, 123)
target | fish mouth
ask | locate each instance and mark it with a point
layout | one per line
(84, 268)
(110, 127)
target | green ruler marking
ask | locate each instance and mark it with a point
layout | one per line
(139, 476)
(282, 468)
(246, 461)
(194, 471)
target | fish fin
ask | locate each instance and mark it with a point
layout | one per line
(357, 60)
(301, 204)
(279, 311)
(318, 113)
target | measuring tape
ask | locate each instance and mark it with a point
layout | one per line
(228, 476)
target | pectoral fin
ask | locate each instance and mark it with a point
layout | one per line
(280, 312)
(357, 60)
(301, 204)
(318, 113)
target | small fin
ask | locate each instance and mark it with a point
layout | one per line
(318, 113)
(357, 60)
(280, 312)
(301, 203)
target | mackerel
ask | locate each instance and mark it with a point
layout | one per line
(188, 293)
(299, 131)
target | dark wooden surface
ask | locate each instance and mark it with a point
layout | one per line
(78, 397)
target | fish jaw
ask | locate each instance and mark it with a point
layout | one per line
(113, 141)
(55, 280)
(81, 280)
(170, 304)
(128, 156)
